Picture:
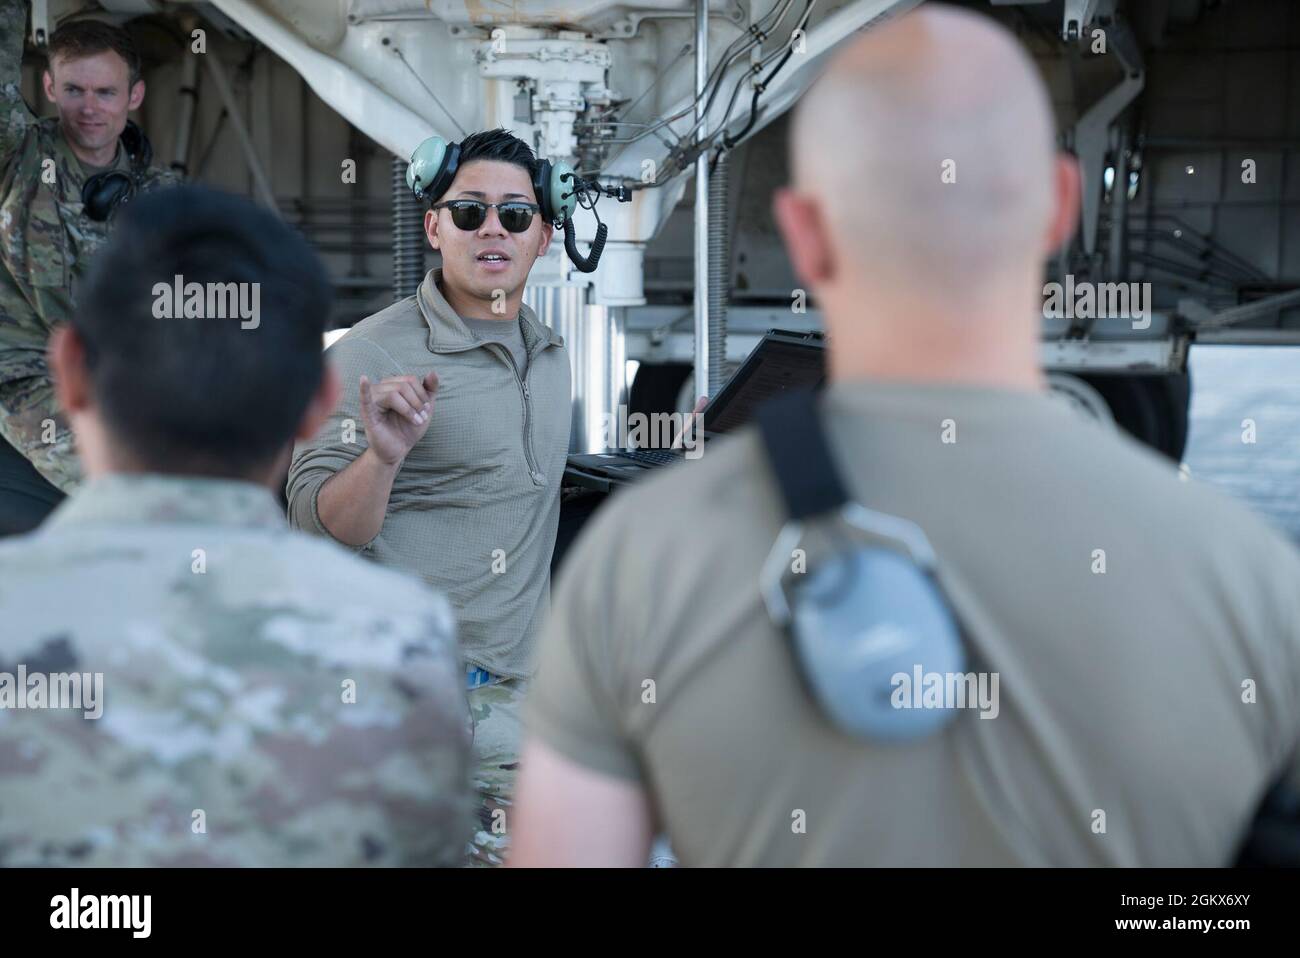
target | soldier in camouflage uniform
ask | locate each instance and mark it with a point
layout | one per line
(46, 236)
(267, 699)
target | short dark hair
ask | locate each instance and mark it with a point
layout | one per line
(86, 38)
(214, 396)
(500, 145)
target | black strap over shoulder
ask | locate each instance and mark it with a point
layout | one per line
(800, 454)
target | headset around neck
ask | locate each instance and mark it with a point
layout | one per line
(104, 192)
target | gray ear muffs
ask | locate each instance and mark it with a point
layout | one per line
(867, 622)
(867, 626)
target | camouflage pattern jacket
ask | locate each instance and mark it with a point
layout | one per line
(266, 699)
(46, 242)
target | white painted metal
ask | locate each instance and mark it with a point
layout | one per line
(402, 70)
(361, 101)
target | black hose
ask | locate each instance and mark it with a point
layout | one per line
(730, 141)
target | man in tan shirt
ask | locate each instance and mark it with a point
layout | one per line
(1145, 631)
(446, 452)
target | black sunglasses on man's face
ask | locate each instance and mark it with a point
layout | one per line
(516, 216)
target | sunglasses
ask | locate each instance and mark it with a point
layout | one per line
(515, 216)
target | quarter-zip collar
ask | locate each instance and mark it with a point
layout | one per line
(449, 334)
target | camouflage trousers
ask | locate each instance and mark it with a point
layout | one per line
(495, 710)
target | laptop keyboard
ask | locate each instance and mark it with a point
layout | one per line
(651, 457)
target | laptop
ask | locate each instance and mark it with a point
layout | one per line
(782, 360)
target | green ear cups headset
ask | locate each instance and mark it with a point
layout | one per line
(435, 162)
(556, 187)
(432, 168)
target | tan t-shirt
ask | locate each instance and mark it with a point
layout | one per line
(1143, 710)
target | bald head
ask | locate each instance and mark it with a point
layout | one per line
(929, 146)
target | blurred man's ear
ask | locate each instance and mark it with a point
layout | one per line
(137, 95)
(47, 84)
(1065, 196)
(548, 234)
(67, 358)
(806, 238)
(321, 404)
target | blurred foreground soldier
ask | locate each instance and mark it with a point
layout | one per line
(1131, 642)
(61, 180)
(184, 680)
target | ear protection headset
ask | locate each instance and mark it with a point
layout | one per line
(435, 162)
(103, 193)
(868, 608)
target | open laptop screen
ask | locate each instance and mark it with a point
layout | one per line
(773, 367)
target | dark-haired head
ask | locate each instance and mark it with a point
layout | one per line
(196, 343)
(500, 145)
(495, 167)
